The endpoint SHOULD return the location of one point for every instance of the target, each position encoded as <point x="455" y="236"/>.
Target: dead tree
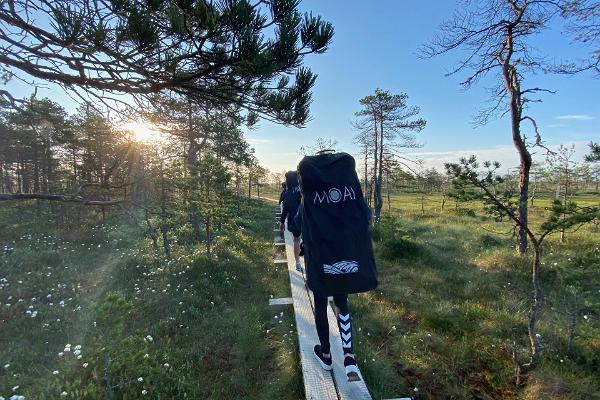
<point x="498" y="203"/>
<point x="495" y="35"/>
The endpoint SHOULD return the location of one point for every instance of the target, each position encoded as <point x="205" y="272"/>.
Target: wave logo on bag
<point x="335" y="195"/>
<point x="341" y="267"/>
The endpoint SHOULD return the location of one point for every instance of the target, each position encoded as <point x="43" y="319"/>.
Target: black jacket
<point x="291" y="201"/>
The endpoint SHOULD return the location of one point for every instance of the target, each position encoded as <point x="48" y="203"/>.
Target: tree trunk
<point x="375" y="159"/>
<point x="534" y="314"/>
<point x="165" y="236"/>
<point x="379" y="171"/>
<point x="523" y="201"/>
<point x="512" y="85"/>
<point x="249" y="186"/>
<point x="164" y="230"/>
<point x="153" y="235"/>
<point x="2" y="179"/>
<point x="36" y="169"/>
<point x="387" y="187"/>
<point x="443" y="201"/>
<point x="207" y="225"/>
<point x="524" y="158"/>
<point x="565" y="199"/>
<point x="367" y="168"/>
<point x="191" y="160"/>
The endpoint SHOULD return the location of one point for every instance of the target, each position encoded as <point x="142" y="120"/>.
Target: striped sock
<point x="345" y="325"/>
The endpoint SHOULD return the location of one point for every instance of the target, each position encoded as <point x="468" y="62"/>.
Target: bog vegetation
<point x="136" y="231"/>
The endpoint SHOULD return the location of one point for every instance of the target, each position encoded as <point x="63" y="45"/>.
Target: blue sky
<point x="375" y="46"/>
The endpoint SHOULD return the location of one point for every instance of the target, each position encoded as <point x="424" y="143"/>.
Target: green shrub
<point x="393" y="241"/>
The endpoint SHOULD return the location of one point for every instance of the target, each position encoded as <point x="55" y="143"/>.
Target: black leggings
<point x="344" y="322"/>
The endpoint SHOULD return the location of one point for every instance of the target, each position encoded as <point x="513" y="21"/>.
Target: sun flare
<point x="143" y="132"/>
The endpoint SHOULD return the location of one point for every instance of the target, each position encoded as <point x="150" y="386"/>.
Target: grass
<point x="190" y="327"/>
<point x="452" y="300"/>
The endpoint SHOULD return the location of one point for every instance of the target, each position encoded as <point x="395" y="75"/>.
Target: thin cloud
<point x="257" y="141"/>
<point x="505" y="154"/>
<point x="576" y="117"/>
<point x="556" y="126"/>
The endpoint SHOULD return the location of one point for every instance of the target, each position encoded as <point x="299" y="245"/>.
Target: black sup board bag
<point x="291" y="200"/>
<point x="338" y="252"/>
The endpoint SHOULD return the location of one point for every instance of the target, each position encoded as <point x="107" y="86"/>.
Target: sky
<point x="375" y="46"/>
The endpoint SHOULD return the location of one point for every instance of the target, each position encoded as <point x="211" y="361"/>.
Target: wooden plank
<point x="282" y="301"/>
<point x="280" y="262"/>
<point x="318" y="383"/>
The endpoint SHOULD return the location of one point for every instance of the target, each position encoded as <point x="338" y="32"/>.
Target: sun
<point x="143" y="132"/>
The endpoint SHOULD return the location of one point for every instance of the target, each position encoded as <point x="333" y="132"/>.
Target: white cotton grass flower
<point x="55" y="372"/>
<point x="140" y="379"/>
<point x="17" y="397"/>
<point x="85" y="365"/>
<point x="149" y="338"/>
<point x="6" y="366"/>
<point x="144" y="391"/>
<point x="15" y="388"/>
<point x="64" y="394"/>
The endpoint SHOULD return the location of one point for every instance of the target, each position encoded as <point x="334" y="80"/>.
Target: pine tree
<point x="217" y="53"/>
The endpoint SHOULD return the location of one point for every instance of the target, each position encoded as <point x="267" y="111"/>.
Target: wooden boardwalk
<point x="318" y="383"/>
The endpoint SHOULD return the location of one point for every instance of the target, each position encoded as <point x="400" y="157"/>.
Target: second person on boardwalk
<point x="291" y="201"/>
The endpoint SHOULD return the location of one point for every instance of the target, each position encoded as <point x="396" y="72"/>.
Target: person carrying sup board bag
<point x="291" y="201"/>
<point x="338" y="252"/>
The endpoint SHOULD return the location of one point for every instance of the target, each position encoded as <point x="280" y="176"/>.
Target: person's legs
<point x="322" y="351"/>
<point x="297" y="250"/>
<point x="321" y="322"/>
<point x="344" y="322"/>
<point x="345" y="326"/>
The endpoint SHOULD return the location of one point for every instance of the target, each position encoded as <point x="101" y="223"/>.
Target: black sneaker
<point x="351" y="369"/>
<point x="326" y="363"/>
